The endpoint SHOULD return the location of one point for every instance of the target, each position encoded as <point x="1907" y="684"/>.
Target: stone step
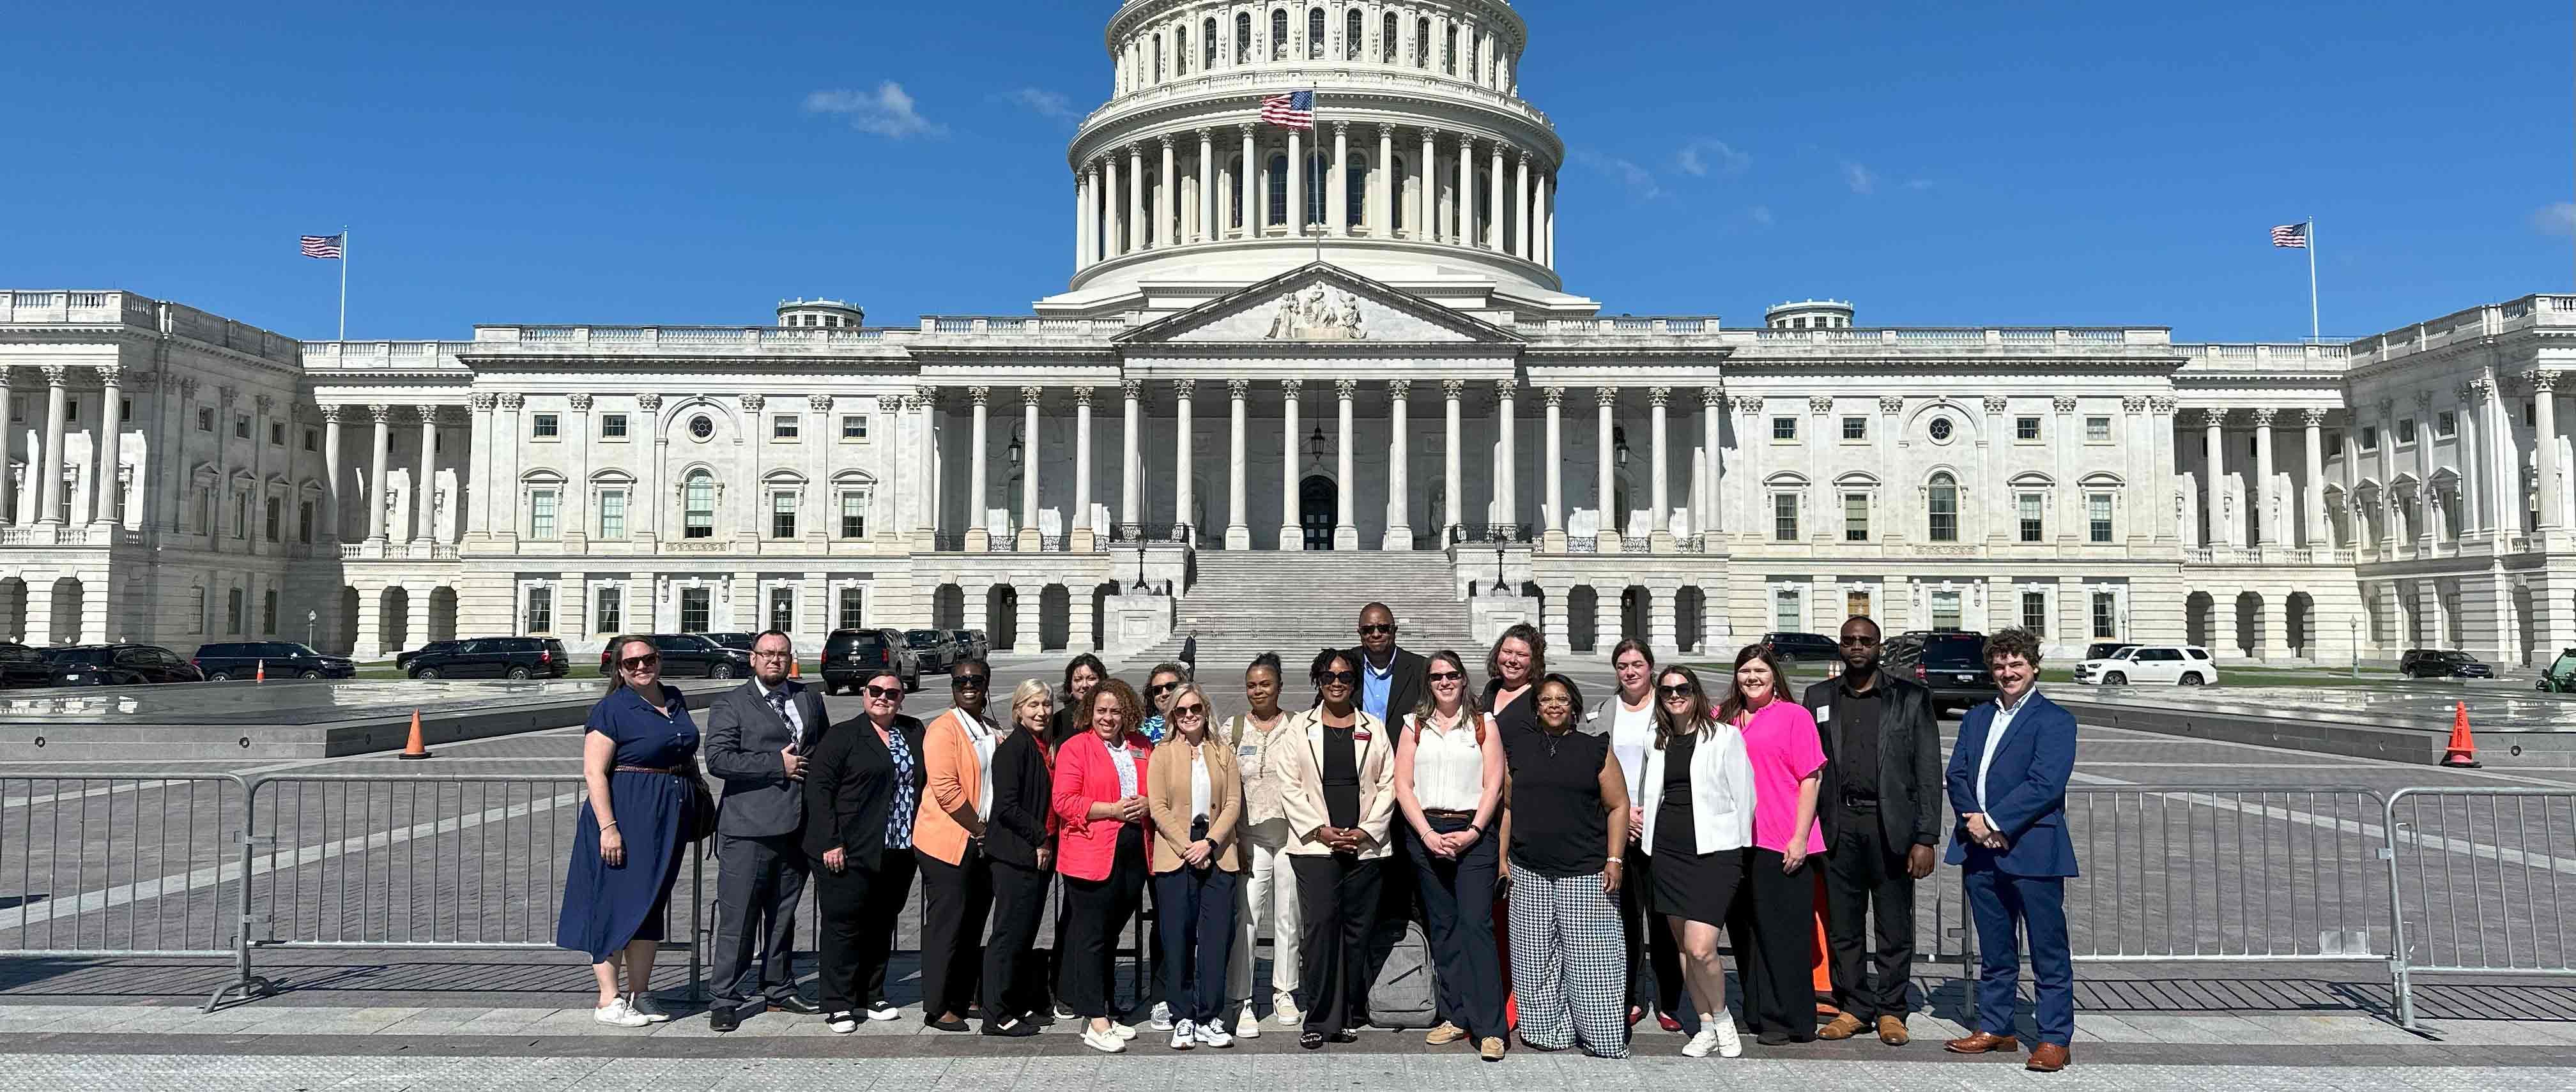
<point x="1296" y="603"/>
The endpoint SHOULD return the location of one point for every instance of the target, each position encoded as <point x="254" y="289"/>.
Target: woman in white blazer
<point x="1336" y="774"/>
<point x="1697" y="789"/>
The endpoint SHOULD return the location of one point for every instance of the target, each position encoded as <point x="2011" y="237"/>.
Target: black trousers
<point x="1019" y="901"/>
<point x="1654" y="956"/>
<point x="1095" y="912"/>
<point x="1458" y="912"/>
<point x="956" y="898"/>
<point x="1775" y="928"/>
<point x="759" y="881"/>
<point x="1337" y="894"/>
<point x="1196" y="927"/>
<point x="856" y="929"/>
<point x="1864" y="872"/>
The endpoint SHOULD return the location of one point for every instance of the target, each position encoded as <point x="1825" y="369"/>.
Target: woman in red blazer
<point x="1100" y="799"/>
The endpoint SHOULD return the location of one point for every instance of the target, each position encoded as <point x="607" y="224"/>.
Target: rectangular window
<point x="2406" y="431"/>
<point x="205" y="419"/>
<point x="545" y="426"/>
<point x="2026" y="428"/>
<point x="241" y="513"/>
<point x="854" y="613"/>
<point x="854" y="514"/>
<point x="698" y="507"/>
<point x="125" y="410"/>
<point x="610" y="615"/>
<point x="854" y="426"/>
<point x="241" y="426"/>
<point x="541" y="609"/>
<point x="2034" y="613"/>
<point x="1855" y="604"/>
<point x="272" y="519"/>
<point x="782" y="609"/>
<point x="1784" y="428"/>
<point x="268" y="612"/>
<point x="304" y="523"/>
<point x="233" y="611"/>
<point x="2106" y="622"/>
<point x="1855" y="428"/>
<point x="782" y="515"/>
<point x="18" y="409"/>
<point x="277" y="434"/>
<point x="696" y="606"/>
<point x="312" y="439"/>
<point x="71" y="410"/>
<point x="2097" y="430"/>
<point x="612" y="426"/>
<point x="1784" y="517"/>
<point x="1945" y="611"/>
<point x="2097" y="517"/>
<point x="2446" y="424"/>
<point x="2370" y="437"/>
<point x="1787" y="614"/>
<point x="2334" y="445"/>
<point x="612" y="513"/>
<point x="1855" y="517"/>
<point x="2034" y="525"/>
<point x="1941" y="518"/>
<point x="783" y="426"/>
<point x="541" y="514"/>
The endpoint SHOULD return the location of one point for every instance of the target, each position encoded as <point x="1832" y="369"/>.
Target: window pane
<point x="2025" y="428"/>
<point x="2097" y="429"/>
<point x="782" y="608"/>
<point x="1855" y="428"/>
<point x="1856" y="604"/>
<point x="2032" y="525"/>
<point x="612" y="610"/>
<point x="853" y="612"/>
<point x="700" y="503"/>
<point x="541" y="514"/>
<point x="854" y="426"/>
<point x="854" y="514"/>
<point x="2105" y="624"/>
<point x="612" y="514"/>
<point x="1945" y="610"/>
<point x="1784" y="517"/>
<point x="612" y="425"/>
<point x="2034" y="612"/>
<point x="1785" y="613"/>
<point x="782" y="515"/>
<point x="1784" y="428"/>
<point x="541" y="610"/>
<point x="695" y="607"/>
<point x="545" y="426"/>
<point x="2097" y="512"/>
<point x="1944" y="521"/>
<point x="783" y="427"/>
<point x="1855" y="517"/>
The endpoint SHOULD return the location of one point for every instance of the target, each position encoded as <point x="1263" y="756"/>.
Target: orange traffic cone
<point x="261" y="672"/>
<point x="2463" y="751"/>
<point x="414" y="748"/>
<point x="795" y="669"/>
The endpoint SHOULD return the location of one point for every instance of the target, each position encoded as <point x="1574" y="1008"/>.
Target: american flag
<point x="1294" y="110"/>
<point x="2291" y="235"/>
<point x="323" y="246"/>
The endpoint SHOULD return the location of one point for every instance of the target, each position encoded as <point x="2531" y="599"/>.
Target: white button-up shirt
<point x="982" y="737"/>
<point x="795" y="716"/>
<point x="2004" y="715"/>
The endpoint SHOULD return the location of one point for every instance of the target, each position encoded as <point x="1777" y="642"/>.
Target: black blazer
<point x="850" y="788"/>
<point x="1405" y="690"/>
<point x="1023" y="791"/>
<point x="1909" y="760"/>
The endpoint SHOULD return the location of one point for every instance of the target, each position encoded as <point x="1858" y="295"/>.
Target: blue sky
<point x="1941" y="164"/>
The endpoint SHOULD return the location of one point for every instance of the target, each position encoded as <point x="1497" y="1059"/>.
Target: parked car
<point x="487" y="658"/>
<point x="2427" y="663"/>
<point x="938" y="650"/>
<point x="2181" y="665"/>
<point x="1951" y="664"/>
<point x="223" y="660"/>
<point x="119" y="665"/>
<point x="2561" y="676"/>
<point x="1807" y="647"/>
<point x="972" y="644"/>
<point x="742" y="640"/>
<point x="688" y="654"/>
<point x="23" y="668"/>
<point x="850" y="655"/>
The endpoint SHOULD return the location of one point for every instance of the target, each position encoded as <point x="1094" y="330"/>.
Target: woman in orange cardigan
<point x="948" y="835"/>
<point x="1100" y="778"/>
<point x="1195" y="796"/>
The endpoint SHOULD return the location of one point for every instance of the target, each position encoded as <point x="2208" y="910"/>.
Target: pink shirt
<point x="1782" y="743"/>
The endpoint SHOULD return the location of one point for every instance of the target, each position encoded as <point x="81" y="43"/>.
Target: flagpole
<point x="1313" y="94"/>
<point x="2314" y="334"/>
<point x="344" y="282"/>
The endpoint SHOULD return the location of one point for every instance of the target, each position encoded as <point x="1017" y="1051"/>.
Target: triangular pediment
<point x="1319" y="304"/>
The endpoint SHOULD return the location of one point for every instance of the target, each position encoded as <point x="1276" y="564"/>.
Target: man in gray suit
<point x="757" y="735"/>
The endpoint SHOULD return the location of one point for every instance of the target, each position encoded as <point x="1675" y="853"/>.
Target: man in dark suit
<point x="2007" y="780"/>
<point x="1882" y="816"/>
<point x="1391" y="679"/>
<point x="755" y="744"/>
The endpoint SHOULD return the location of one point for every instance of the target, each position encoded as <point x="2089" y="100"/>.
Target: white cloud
<point x="1701" y="158"/>
<point x="2556" y="219"/>
<point x="1859" y="178"/>
<point x="1760" y="214"/>
<point x="1043" y="103"/>
<point x="1640" y="181"/>
<point x="886" y="111"/>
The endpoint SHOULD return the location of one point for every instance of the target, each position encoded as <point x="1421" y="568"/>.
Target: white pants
<point x="1270" y="896"/>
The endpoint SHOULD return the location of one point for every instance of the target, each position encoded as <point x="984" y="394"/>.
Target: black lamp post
<point x="1499" y="588"/>
<point x="1140" y="586"/>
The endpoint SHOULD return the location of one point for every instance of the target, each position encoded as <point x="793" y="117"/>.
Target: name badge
<point x="1360" y="736"/>
<point x="1824" y="713"/>
<point x="1246" y="751"/>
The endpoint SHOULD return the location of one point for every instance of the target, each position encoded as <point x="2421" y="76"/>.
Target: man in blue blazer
<point x="2007" y="782"/>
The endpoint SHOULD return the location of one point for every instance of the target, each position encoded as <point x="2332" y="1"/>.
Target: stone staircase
<point x="1296" y="604"/>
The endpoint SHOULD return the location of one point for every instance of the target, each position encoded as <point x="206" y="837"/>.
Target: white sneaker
<point x="883" y="1010"/>
<point x="1701" y="1044"/>
<point x="1212" y="1034"/>
<point x="1106" y="1042"/>
<point x="1730" y="1044"/>
<point x="1248" y="1025"/>
<point x="618" y="1014"/>
<point x="644" y="1006"/>
<point x="842" y="1022"/>
<point x="1283" y="1007"/>
<point x="1162" y="1020"/>
<point x="1124" y="1032"/>
<point x="1184" y="1035"/>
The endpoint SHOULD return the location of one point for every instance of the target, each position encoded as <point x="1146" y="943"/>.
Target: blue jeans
<point x="2037" y="904"/>
<point x="1196" y="924"/>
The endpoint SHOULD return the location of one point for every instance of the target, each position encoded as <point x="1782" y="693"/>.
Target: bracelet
<point x="612" y="824"/>
<point x="1613" y="860"/>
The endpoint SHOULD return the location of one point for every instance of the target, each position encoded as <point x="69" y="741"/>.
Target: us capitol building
<point x="1347" y="339"/>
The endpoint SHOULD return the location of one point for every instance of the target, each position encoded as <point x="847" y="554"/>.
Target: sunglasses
<point x="1372" y="629"/>
<point x="1192" y="711"/>
<point x="1447" y="676"/>
<point x="635" y="663"/>
<point x="889" y="693"/>
<point x="969" y="682"/>
<point x="1160" y="689"/>
<point x="1344" y="678"/>
<point x="1682" y="691"/>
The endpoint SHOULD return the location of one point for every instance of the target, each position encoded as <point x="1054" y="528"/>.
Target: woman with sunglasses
<point x="1449" y="786"/>
<point x="1100" y="779"/>
<point x="1654" y="972"/>
<point x="863" y="790"/>
<point x="1515" y="663"/>
<point x="1568" y="830"/>
<point x="1160" y="687"/>
<point x="638" y="747"/>
<point x="1195" y="796"/>
<point x="1697" y="805"/>
<point x="1775" y="922"/>
<point x="1268" y="893"/>
<point x="1337" y="786"/>
<point x="1020" y="839"/>
<point x="948" y="837"/>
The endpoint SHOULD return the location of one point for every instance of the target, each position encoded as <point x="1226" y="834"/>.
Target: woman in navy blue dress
<point x="641" y="743"/>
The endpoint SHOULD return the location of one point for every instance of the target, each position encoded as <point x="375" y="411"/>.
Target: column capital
<point x="2544" y="382"/>
<point x="1346" y="389"/>
<point x="1659" y="396"/>
<point x="1294" y="387"/>
<point x="2312" y="418"/>
<point x="1551" y="397"/>
<point x="1238" y="389"/>
<point x="1507" y="389"/>
<point x="2423" y="399"/>
<point x="2063" y="403"/>
<point x="1819" y="404"/>
<point x="1891" y="405"/>
<point x="1206" y="133"/>
<point x="1165" y="140"/>
<point x="2164" y="404"/>
<point x="649" y="403"/>
<point x="979" y="395"/>
<point x="331" y="410"/>
<point x="58" y="374"/>
<point x="1132" y="389"/>
<point x="1399" y="389"/>
<point x="1996" y="403"/>
<point x="1082" y="396"/>
<point x="2481" y="387"/>
<point x="110" y="374"/>
<point x="1520" y="156"/>
<point x="1341" y="129"/>
<point x="752" y="403"/>
<point x="1249" y="130"/>
<point x="2213" y="418"/>
<point x="1453" y="389"/>
<point x="267" y="404"/>
<point x="1606" y="396"/>
<point x="581" y="402"/>
<point x="1748" y="403"/>
<point x="1712" y="398"/>
<point x="1028" y="395"/>
<point x="384" y="414"/>
<point x="1184" y="388"/>
<point x="2263" y="416"/>
<point x="1136" y="150"/>
<point x="187" y="387"/>
<point x="819" y="403"/>
<point x="890" y="403"/>
<point x="2135" y="403"/>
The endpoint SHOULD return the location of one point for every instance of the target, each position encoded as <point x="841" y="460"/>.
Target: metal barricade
<point x="127" y="864"/>
<point x="2479" y="882"/>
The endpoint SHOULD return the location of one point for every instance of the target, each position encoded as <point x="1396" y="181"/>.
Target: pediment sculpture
<point x="1318" y="314"/>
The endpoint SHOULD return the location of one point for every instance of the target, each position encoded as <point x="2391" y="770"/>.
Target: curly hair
<point x="1131" y="709"/>
<point x="2014" y="642"/>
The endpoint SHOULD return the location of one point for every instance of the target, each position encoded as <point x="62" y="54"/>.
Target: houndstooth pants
<point x="1569" y="963"/>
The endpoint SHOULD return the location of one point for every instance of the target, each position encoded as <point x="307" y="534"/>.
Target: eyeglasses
<point x="637" y="663"/>
<point x="1447" y="676"/>
<point x="1192" y="711"/>
<point x="762" y="655"/>
<point x="1160" y="689"/>
<point x="1682" y="691"/>
<point x="969" y="682"/>
<point x="889" y="693"/>
<point x="1372" y="629"/>
<point x="1343" y="678"/>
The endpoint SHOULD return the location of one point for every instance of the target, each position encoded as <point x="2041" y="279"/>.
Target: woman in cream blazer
<point x="1336" y="770"/>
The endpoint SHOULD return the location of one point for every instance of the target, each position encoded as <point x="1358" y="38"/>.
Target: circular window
<point x="1940" y="430"/>
<point x="701" y="426"/>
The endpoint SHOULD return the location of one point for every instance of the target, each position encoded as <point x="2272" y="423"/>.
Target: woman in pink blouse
<point x="1775" y="919"/>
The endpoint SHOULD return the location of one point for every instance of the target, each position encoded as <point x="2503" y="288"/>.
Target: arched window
<point x="1422" y="43"/>
<point x="1181" y="51"/>
<point x="1475" y="43"/>
<point x="1395" y="181"/>
<point x="1942" y="511"/>
<point x="1316" y="177"/>
<point x="1314" y="34"/>
<point x="1353" y="35"/>
<point x="698" y="505"/>
<point x="1243" y="38"/>
<point x="1386" y="41"/>
<point x="1355" y="191"/>
<point x="1237" y="188"/>
<point x="1484" y="209"/>
<point x="1207" y="44"/>
<point x="1279" y="34"/>
<point x="1278" y="196"/>
<point x="1158" y="58"/>
<point x="1449" y="52"/>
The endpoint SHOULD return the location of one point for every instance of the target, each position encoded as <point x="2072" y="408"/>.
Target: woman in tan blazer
<point x="1337" y="785"/>
<point x="1194" y="793"/>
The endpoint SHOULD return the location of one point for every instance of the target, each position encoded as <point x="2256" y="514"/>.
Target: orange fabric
<point x="948" y="760"/>
<point x="1821" y="971"/>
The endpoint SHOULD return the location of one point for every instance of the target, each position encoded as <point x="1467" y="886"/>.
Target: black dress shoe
<point x="1345" y="1035"/>
<point x="795" y="1004"/>
<point x="1014" y="1028"/>
<point x="936" y="1024"/>
<point x="723" y="1018"/>
<point x="1312" y="1040"/>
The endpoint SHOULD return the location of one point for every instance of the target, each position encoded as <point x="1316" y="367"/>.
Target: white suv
<point x="2183" y="665"/>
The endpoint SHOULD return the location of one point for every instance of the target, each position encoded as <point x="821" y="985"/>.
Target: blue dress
<point x="605" y="907"/>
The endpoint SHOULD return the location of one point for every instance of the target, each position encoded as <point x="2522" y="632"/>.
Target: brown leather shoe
<point x="2048" y="1058"/>
<point x="1491" y="1049"/>
<point x="1983" y="1042"/>
<point x="1444" y="1035"/>
<point x="1844" y="1026"/>
<point x="1891" y="1031"/>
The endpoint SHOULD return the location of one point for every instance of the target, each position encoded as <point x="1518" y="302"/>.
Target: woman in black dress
<point x="1698" y="810"/>
<point x="862" y="791"/>
<point x="639" y="750"/>
<point x="1517" y="662"/>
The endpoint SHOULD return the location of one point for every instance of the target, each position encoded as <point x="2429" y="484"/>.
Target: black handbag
<point x="701" y="819"/>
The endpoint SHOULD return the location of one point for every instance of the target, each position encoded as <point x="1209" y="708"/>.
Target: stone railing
<point x="1023" y="326"/>
<point x="1262" y="78"/>
<point x="667" y="338"/>
<point x="2487" y="320"/>
<point x="128" y="309"/>
<point x="1622" y="326"/>
<point x="2266" y="357"/>
<point x="1998" y="336"/>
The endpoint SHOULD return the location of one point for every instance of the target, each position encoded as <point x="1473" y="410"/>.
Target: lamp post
<point x="1499" y="588"/>
<point x="2353" y="627"/>
<point x="310" y="619"/>
<point x="1140" y="587"/>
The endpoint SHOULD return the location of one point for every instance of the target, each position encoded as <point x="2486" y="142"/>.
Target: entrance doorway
<point x="1318" y="511"/>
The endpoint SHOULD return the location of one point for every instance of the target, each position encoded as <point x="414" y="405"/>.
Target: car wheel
<point x="424" y="673"/>
<point x="219" y="676"/>
<point x="2116" y="678"/>
<point x="518" y="674"/>
<point x="309" y="675"/>
<point x="720" y="671"/>
<point x="2192" y="679"/>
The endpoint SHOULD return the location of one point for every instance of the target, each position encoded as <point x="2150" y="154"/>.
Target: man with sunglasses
<point x="1391" y="678"/>
<point x="1881" y="812"/>
<point x="757" y="735"/>
<point x="948" y="835"/>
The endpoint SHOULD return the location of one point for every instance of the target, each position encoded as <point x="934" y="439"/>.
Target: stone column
<point x="898" y="500"/>
<point x="425" y="490"/>
<point x="1492" y="236"/>
<point x="1337" y="198"/>
<point x="2312" y="499"/>
<point x="1507" y="476"/>
<point x="979" y="536"/>
<point x="1296" y="183"/>
<point x="1466" y="198"/>
<point x="1524" y="218"/>
<point x="8" y="498"/>
<point x="1550" y="235"/>
<point x="1184" y="508"/>
<point x="1552" y="540"/>
<point x="2267" y="512"/>
<point x="1605" y="476"/>
<point x="2428" y="504"/>
<point x="377" y="467"/>
<point x="1247" y="188"/>
<point x="1382" y="207"/>
<point x="2544" y="419"/>
<point x="1291" y="535"/>
<point x="1207" y="186"/>
<point x="1027" y="540"/>
<point x="2214" y="472"/>
<point x="1113" y="220"/>
<point x="106" y="492"/>
<point x="1399" y="486"/>
<point x="1238" y="531"/>
<point x="1429" y="169"/>
<point x="1346" y="533"/>
<point x="1139" y="225"/>
<point x="331" y="472"/>
<point x="1081" y="219"/>
<point x="1659" y="529"/>
<point x="1453" y="482"/>
<point x="1709" y="517"/>
<point x="49" y="463"/>
<point x="1546" y="229"/>
<point x="1131" y="515"/>
<point x="1167" y="199"/>
<point x="1082" y="536"/>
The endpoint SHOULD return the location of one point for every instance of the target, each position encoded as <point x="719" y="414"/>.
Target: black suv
<point x="285" y="659"/>
<point x="972" y="644"/>
<point x="22" y="667"/>
<point x="1807" y="647"/>
<point x="1952" y="664"/>
<point x="938" y="650"/>
<point x="487" y="658"/>
<point x="119" y="665"/>
<point x="850" y="655"/>
<point x="2426" y="663"/>
<point x="743" y="640"/>
<point x="686" y="654"/>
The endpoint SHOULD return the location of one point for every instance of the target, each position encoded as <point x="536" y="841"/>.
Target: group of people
<point x="1621" y="850"/>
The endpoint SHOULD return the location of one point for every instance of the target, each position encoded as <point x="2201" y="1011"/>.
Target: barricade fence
<point x="2479" y="881"/>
